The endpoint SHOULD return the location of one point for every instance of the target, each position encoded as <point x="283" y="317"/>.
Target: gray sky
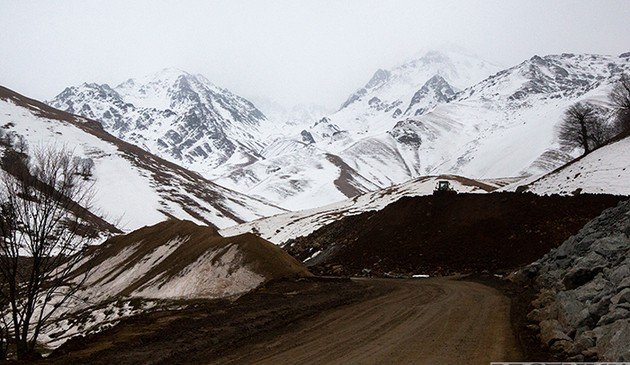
<point x="290" y="51"/>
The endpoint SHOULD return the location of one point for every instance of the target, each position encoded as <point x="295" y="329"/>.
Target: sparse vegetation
<point x="44" y="204"/>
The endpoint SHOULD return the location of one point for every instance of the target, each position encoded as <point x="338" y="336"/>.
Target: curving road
<point x="425" y="321"/>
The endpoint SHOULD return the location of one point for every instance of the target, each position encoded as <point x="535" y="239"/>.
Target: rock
<point x="577" y="358"/>
<point x="590" y="354"/>
<point x="593" y="290"/>
<point x="609" y="247"/>
<point x="580" y="276"/>
<point x="562" y="346"/>
<point x="572" y="313"/>
<point x="583" y="341"/>
<point x="583" y="305"/>
<point x="622" y="297"/>
<point x="598" y="309"/>
<point x="621" y="275"/>
<point x="612" y="341"/>
<point x="615" y="314"/>
<point x="551" y="331"/>
<point x="545" y="297"/>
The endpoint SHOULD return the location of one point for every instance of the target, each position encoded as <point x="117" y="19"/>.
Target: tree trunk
<point x="584" y="133"/>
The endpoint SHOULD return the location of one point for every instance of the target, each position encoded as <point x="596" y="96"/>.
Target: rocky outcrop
<point x="178" y="116"/>
<point x="583" y="307"/>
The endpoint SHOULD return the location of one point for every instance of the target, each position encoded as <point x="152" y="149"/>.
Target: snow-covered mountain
<point x="178" y="116"/>
<point x="506" y="124"/>
<point x="133" y="188"/>
<point x="410" y="89"/>
<point x="441" y="113"/>
<point x="502" y="124"/>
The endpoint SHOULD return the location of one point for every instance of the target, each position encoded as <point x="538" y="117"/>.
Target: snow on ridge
<point x="282" y="227"/>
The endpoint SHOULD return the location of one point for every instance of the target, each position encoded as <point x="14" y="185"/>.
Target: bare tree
<point x="583" y="127"/>
<point x="620" y="100"/>
<point x="85" y="166"/>
<point x="44" y="206"/>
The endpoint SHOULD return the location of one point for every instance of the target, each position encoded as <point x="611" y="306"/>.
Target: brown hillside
<point x="147" y="245"/>
<point x="445" y="234"/>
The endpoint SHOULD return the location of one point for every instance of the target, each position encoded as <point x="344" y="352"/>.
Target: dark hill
<point x="465" y="233"/>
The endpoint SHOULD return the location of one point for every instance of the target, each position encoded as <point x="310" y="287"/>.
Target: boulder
<point x="572" y="313"/>
<point x="621" y="276"/>
<point x="622" y="297"/>
<point x="615" y="314"/>
<point x="551" y="331"/>
<point x="612" y="341"/>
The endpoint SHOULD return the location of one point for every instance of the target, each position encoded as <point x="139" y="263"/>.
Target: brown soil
<point x="439" y="235"/>
<point x="521" y="296"/>
<point x="434" y="321"/>
<point x="206" y="330"/>
<point x="369" y="321"/>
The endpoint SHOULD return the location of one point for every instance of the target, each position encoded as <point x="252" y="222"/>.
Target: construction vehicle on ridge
<point x="444" y="188"/>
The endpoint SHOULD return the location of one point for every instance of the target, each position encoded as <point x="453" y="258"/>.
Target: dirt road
<point x="424" y="321"/>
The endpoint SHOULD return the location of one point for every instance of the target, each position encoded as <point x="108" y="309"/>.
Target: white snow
<point x="213" y="275"/>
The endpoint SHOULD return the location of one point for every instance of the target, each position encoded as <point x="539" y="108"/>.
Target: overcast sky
<point x="289" y="51"/>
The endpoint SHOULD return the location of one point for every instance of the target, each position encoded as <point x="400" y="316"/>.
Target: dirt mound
<point x="161" y="266"/>
<point x="445" y="234"/>
<point x="176" y="259"/>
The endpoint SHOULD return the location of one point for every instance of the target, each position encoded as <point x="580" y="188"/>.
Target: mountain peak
<point x="380" y="77"/>
<point x="165" y="76"/>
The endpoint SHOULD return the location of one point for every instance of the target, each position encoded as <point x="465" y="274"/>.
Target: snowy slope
<point x="178" y="116"/>
<point x="506" y="125"/>
<point x="282" y="227"/>
<point x="133" y="187"/>
<point x="297" y="176"/>
<point x="179" y="259"/>
<point x="605" y="170"/>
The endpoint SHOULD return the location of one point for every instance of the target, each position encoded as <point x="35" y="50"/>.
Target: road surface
<point x="423" y="321"/>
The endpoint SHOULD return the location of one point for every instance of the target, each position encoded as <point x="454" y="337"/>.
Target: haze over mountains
<point x="445" y="112"/>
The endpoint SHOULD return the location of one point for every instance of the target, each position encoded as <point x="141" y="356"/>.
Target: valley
<point x="439" y="215"/>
